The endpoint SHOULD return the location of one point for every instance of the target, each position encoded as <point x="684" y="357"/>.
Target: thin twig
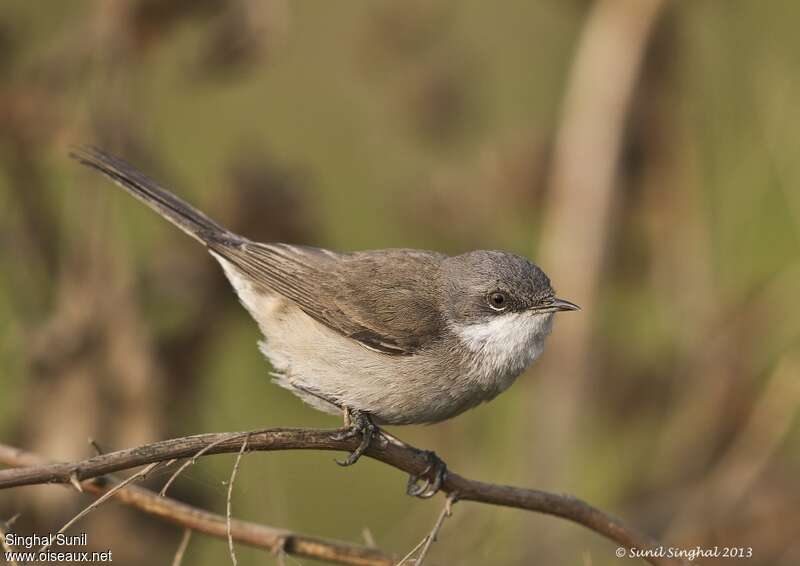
<point x="447" y="510"/>
<point x="185" y="465"/>
<point x="187" y="534"/>
<point x="7" y="548"/>
<point x="412" y="552"/>
<point x="10" y="523"/>
<point x="391" y="451"/>
<point x="103" y="498"/>
<point x="234" y="471"/>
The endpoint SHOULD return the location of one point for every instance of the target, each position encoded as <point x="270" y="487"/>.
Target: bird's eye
<point x="498" y="301"/>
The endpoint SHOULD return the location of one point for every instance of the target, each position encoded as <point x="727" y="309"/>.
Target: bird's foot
<point x="360" y="424"/>
<point x="427" y="483"/>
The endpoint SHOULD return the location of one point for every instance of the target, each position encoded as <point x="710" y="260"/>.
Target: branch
<point x="228" y="502"/>
<point x="437" y="526"/>
<point x="193" y="519"/>
<point x="384" y="448"/>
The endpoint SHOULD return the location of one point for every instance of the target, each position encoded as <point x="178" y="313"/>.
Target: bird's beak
<point x="555" y="305"/>
<point x="564" y="305"/>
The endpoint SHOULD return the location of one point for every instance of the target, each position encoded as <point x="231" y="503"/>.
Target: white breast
<point x="503" y="347"/>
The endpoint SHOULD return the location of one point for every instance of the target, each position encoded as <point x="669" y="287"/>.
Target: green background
<point x="358" y="125"/>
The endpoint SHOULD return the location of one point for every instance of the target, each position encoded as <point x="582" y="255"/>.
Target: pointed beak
<point x="555" y="305"/>
<point x="564" y="305"/>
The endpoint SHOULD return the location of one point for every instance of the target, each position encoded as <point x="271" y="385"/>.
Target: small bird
<point x="394" y="336"/>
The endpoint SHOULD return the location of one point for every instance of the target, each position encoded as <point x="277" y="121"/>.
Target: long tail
<point x="182" y="214"/>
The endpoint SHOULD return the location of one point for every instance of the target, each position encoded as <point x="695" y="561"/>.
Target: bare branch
<point x="192" y="518"/>
<point x="385" y="448"/>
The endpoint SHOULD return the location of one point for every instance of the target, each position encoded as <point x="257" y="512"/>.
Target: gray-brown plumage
<point x="403" y="336"/>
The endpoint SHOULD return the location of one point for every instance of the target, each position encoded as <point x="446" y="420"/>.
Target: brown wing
<point x="383" y="299"/>
<point x="386" y="299"/>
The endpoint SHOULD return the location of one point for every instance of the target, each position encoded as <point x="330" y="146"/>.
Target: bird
<point x="382" y="337"/>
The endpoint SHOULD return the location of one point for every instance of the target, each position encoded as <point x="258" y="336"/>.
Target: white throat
<point x="503" y="347"/>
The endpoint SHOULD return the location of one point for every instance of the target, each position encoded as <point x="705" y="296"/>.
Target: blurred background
<point x="644" y="153"/>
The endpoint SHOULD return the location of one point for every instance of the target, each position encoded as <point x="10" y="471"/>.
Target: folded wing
<point x="372" y="297"/>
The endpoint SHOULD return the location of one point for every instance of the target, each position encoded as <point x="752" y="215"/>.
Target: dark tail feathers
<point x="182" y="214"/>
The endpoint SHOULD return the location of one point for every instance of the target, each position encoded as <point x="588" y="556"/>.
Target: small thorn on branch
<point x="73" y="480"/>
<point x="369" y="539"/>
<point x="93" y="443"/>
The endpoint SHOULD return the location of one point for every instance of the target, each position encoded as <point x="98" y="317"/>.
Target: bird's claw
<point x="360" y="424"/>
<point x="426" y="484"/>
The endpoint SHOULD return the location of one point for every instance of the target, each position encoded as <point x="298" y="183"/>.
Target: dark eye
<point x="498" y="300"/>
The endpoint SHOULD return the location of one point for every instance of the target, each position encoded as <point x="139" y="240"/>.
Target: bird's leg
<point x="427" y="483"/>
<point x="356" y="423"/>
